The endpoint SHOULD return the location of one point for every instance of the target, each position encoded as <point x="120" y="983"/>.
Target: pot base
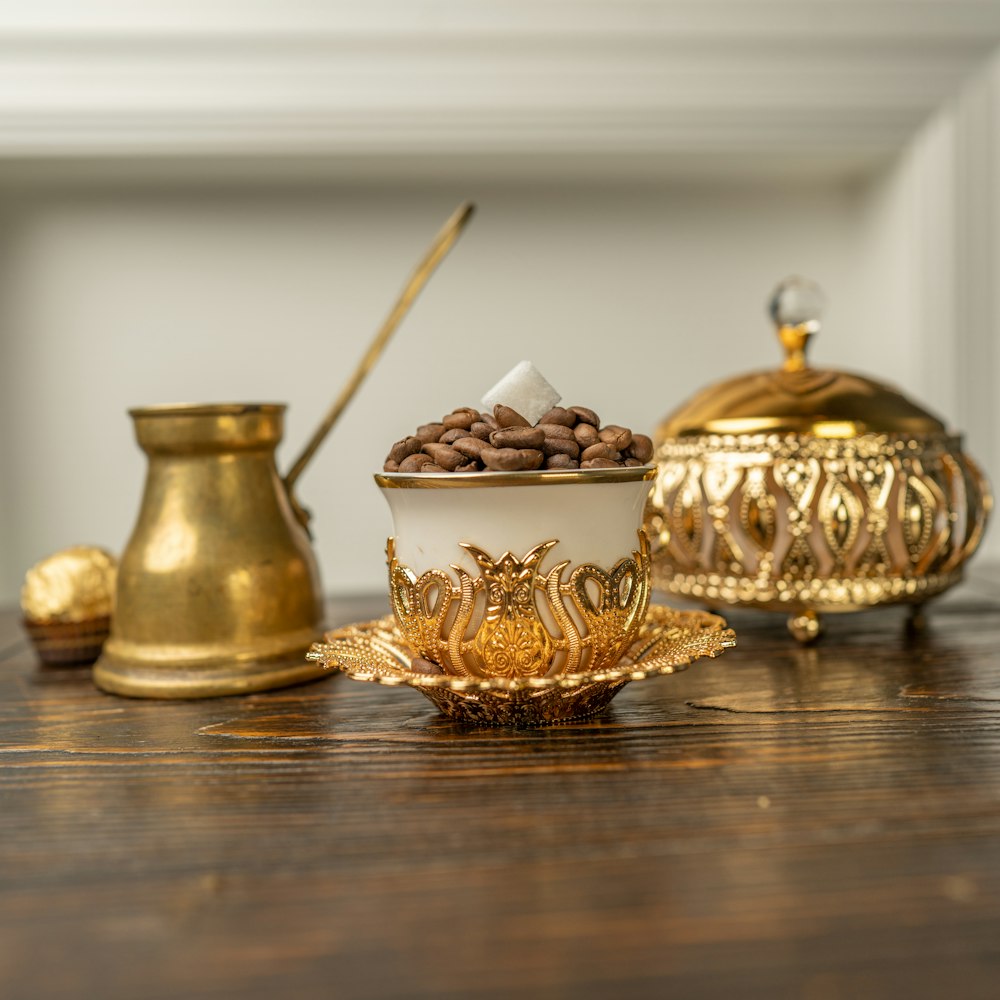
<point x="211" y="680"/>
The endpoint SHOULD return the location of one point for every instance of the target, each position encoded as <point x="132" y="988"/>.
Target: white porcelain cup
<point x="521" y="574"/>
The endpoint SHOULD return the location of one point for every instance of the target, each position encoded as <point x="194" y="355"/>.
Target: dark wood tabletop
<point x="784" y="822"/>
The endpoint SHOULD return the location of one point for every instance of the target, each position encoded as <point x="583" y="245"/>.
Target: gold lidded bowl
<point x="809" y="490"/>
<point x="520" y="598"/>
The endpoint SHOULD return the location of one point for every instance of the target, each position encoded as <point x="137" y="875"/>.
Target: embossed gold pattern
<point x="801" y="523"/>
<point x="666" y="642"/>
<point x="513" y="621"/>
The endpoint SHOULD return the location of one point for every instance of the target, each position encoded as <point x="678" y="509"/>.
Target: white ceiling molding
<point x="741" y="20"/>
<point x="814" y="81"/>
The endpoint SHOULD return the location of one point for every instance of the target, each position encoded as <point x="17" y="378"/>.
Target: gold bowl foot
<point x="806" y="627"/>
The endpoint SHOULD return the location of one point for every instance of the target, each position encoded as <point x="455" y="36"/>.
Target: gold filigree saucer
<point x="668" y="641"/>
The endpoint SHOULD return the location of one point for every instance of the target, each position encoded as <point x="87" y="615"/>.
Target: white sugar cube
<point x="524" y="389"/>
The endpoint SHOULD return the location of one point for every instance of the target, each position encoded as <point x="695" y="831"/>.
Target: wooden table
<point x="781" y="822"/>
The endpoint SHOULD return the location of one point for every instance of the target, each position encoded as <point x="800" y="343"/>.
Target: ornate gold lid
<point x="796" y="398"/>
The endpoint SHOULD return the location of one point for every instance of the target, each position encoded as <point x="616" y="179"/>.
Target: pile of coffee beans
<point x="504" y="441"/>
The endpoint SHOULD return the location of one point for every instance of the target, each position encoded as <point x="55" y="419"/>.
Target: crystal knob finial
<point x="796" y="308"/>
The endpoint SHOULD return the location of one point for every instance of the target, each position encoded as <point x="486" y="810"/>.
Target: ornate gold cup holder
<point x="512" y="630"/>
<point x="667" y="642"/>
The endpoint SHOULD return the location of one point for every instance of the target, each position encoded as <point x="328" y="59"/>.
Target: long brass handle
<point x="443" y="242"/>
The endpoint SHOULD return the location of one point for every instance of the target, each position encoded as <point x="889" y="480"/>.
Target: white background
<point x="220" y="204"/>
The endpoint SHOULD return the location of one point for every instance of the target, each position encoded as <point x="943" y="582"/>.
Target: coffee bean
<point x="506" y="417"/>
<point x="466" y="440"/>
<point x="462" y="418"/>
<point x="517" y="437"/>
<point x="512" y="459"/>
<point x="445" y="456"/>
<point x="641" y="448"/>
<point x="586" y="415"/>
<point x="429" y="432"/>
<point x="408" y="446"/>
<point x="599" y="450"/>
<point x="618" y="437"/>
<point x="559" y="415"/>
<point x="561" y="446"/>
<point x="471" y="447"/>
<point x="415" y="463"/>
<point x="557" y="430"/>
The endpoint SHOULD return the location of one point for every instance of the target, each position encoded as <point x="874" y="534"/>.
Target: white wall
<point x="932" y="245"/>
<point x="628" y="300"/>
<point x="631" y="287"/>
<point x="977" y="266"/>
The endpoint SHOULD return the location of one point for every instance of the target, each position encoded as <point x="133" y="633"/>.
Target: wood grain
<point x="780" y="822"/>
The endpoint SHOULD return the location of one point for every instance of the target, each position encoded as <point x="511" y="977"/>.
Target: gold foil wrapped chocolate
<point x="70" y="586"/>
<point x="810" y="491"/>
<point x="67" y="600"/>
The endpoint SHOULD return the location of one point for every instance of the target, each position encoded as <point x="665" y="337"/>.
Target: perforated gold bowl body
<point x="810" y="525"/>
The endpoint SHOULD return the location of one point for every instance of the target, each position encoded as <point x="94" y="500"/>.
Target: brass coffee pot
<point x="218" y="589"/>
